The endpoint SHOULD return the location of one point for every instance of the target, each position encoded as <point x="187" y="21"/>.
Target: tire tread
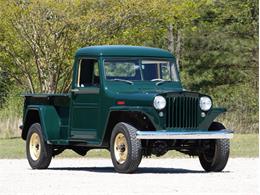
<point x="46" y="154"/>
<point x="135" y="154"/>
<point x="221" y="152"/>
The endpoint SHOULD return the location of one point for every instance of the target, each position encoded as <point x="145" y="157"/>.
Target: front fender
<point x="150" y="112"/>
<point x="210" y="117"/>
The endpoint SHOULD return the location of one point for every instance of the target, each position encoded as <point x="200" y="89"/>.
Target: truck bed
<point x="60" y="102"/>
<point x="47" y="99"/>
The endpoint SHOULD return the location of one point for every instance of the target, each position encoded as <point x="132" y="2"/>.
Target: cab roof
<point x="123" y="51"/>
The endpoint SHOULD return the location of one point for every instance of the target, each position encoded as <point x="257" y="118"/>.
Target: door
<point x="85" y="101"/>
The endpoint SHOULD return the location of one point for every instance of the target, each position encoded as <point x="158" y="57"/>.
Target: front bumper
<point x="221" y="134"/>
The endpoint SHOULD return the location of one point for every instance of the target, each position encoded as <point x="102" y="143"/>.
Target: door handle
<point x="74" y="90"/>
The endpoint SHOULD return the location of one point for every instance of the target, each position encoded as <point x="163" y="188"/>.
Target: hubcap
<point x="35" y="146"/>
<point x="120" y="148"/>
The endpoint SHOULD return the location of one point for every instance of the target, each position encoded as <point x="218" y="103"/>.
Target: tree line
<point x="215" y="43"/>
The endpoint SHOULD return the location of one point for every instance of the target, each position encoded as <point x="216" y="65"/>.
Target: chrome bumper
<point x="221" y="134"/>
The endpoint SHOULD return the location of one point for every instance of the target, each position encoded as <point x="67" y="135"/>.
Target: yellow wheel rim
<point x="35" y="146"/>
<point x="120" y="148"/>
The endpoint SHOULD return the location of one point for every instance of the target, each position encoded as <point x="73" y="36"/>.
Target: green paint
<point x="83" y="115"/>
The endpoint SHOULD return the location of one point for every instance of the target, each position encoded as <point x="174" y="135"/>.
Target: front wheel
<point x="125" y="149"/>
<point x="216" y="152"/>
<point x="39" y="153"/>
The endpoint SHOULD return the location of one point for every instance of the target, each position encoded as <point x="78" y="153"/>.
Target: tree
<point x="39" y="38"/>
<point x="4" y="80"/>
<point x="221" y="58"/>
<point x="214" y="41"/>
<point x="37" y="44"/>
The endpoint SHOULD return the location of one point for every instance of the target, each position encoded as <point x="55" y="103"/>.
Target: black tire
<point x="39" y="153"/>
<point x="215" y="157"/>
<point x="130" y="148"/>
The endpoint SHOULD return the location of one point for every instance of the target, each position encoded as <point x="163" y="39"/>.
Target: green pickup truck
<point x="130" y="101"/>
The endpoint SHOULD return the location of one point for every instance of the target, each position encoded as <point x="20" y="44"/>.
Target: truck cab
<point x="130" y="101"/>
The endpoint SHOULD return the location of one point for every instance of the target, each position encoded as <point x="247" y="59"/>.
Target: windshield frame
<point x="172" y="62"/>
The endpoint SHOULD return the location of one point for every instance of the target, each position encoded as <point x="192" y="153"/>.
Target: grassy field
<point x="242" y="145"/>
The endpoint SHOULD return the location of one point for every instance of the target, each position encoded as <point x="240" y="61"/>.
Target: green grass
<point x="245" y="145"/>
<point x="242" y="145"/>
<point x="15" y="148"/>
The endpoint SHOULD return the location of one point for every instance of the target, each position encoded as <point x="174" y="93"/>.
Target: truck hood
<point x="139" y="94"/>
<point x="140" y="98"/>
<point x="142" y="87"/>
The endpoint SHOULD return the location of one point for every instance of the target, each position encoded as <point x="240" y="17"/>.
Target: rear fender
<point x="47" y="117"/>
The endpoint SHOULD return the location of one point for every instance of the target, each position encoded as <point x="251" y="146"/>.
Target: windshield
<point x="136" y="70"/>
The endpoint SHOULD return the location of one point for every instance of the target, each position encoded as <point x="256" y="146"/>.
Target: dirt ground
<point x="154" y="176"/>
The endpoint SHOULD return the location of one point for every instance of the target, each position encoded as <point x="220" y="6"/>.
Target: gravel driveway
<point x="155" y="176"/>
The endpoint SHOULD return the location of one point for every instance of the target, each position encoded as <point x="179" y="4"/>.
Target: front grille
<point x="182" y="112"/>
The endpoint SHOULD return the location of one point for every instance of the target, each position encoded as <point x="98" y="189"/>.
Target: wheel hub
<point x="120" y="148"/>
<point x="35" y="146"/>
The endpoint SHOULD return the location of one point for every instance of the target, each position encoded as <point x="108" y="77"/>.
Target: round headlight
<point x="205" y="103"/>
<point x="159" y="102"/>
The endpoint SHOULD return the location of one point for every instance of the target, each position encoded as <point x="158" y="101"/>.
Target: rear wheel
<point x="39" y="153"/>
<point x="125" y="149"/>
<point x="215" y="156"/>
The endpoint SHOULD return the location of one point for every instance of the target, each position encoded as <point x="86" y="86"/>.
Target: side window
<point x="88" y="74"/>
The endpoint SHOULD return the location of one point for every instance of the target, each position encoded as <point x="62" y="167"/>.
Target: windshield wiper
<point x="161" y="82"/>
<point x="154" y="80"/>
<point x="123" y="80"/>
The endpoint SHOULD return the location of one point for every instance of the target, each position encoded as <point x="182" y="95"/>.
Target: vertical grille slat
<point x="192" y="117"/>
<point x="196" y="114"/>
<point x="186" y="111"/>
<point x="171" y="114"/>
<point x="168" y="111"/>
<point x="181" y="112"/>
<point x="193" y="113"/>
<point x="189" y="111"/>
<point x="175" y="113"/>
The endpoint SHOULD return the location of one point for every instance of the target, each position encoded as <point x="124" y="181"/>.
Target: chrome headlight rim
<point x="205" y="103"/>
<point x="159" y="102"/>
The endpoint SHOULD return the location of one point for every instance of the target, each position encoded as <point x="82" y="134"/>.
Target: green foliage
<point x="3" y="87"/>
<point x="215" y="44"/>
<point x="220" y="57"/>
<point x="10" y="113"/>
<point x="36" y="42"/>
